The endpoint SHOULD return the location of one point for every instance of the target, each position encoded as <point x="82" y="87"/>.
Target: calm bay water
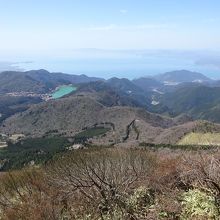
<point x="128" y="66"/>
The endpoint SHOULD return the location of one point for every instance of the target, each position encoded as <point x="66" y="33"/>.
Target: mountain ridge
<point x="38" y="81"/>
<point x="181" y="76"/>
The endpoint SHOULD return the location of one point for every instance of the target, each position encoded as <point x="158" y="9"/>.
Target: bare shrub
<point x="168" y="185"/>
<point x="111" y="183"/>
<point x="25" y="194"/>
<point x="102" y="179"/>
<point x="203" y="170"/>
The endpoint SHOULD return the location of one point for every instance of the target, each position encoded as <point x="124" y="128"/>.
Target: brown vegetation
<point x="58" y="117"/>
<point x="111" y="184"/>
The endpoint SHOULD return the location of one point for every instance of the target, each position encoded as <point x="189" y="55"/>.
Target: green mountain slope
<point x="147" y="84"/>
<point x="200" y="102"/>
<point x="10" y="105"/>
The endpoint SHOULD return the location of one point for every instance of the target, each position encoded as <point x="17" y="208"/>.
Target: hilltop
<point x="181" y="76"/>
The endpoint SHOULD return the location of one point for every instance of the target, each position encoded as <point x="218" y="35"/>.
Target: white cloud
<point x="123" y="11"/>
<point x="153" y="26"/>
<point x="101" y="28"/>
<point x="210" y="20"/>
<point x="129" y="27"/>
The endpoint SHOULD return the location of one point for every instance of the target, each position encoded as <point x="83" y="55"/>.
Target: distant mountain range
<point x="42" y="81"/>
<point x="181" y="76"/>
<point x="178" y="97"/>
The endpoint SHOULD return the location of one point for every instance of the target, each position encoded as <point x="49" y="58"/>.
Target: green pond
<point x="62" y="91"/>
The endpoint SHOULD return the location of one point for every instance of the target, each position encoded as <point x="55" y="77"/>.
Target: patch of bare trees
<point x="104" y="178"/>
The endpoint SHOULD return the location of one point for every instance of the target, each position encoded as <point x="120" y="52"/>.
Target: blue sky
<point x="154" y="24"/>
<point x="34" y="29"/>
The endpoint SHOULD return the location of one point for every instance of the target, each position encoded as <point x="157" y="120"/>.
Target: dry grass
<point x="201" y="139"/>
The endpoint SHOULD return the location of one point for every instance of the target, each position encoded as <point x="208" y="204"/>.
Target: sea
<point x="130" y="66"/>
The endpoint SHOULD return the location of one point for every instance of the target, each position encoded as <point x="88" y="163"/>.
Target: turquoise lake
<point x="62" y="91"/>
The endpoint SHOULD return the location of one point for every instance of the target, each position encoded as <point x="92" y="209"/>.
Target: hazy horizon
<point x="115" y="38"/>
<point x="122" y="63"/>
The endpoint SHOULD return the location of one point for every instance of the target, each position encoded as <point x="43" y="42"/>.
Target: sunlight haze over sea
<point x="124" y="63"/>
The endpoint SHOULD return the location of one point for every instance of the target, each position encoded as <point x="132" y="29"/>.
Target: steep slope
<point x="10" y="105"/>
<point x="37" y="81"/>
<point x="116" y="92"/>
<point x="106" y="95"/>
<point x="200" y="102"/>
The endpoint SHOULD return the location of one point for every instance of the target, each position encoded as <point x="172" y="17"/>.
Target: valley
<point x="144" y="135"/>
<point x="58" y="92"/>
<point x="89" y="101"/>
<point x="110" y="110"/>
